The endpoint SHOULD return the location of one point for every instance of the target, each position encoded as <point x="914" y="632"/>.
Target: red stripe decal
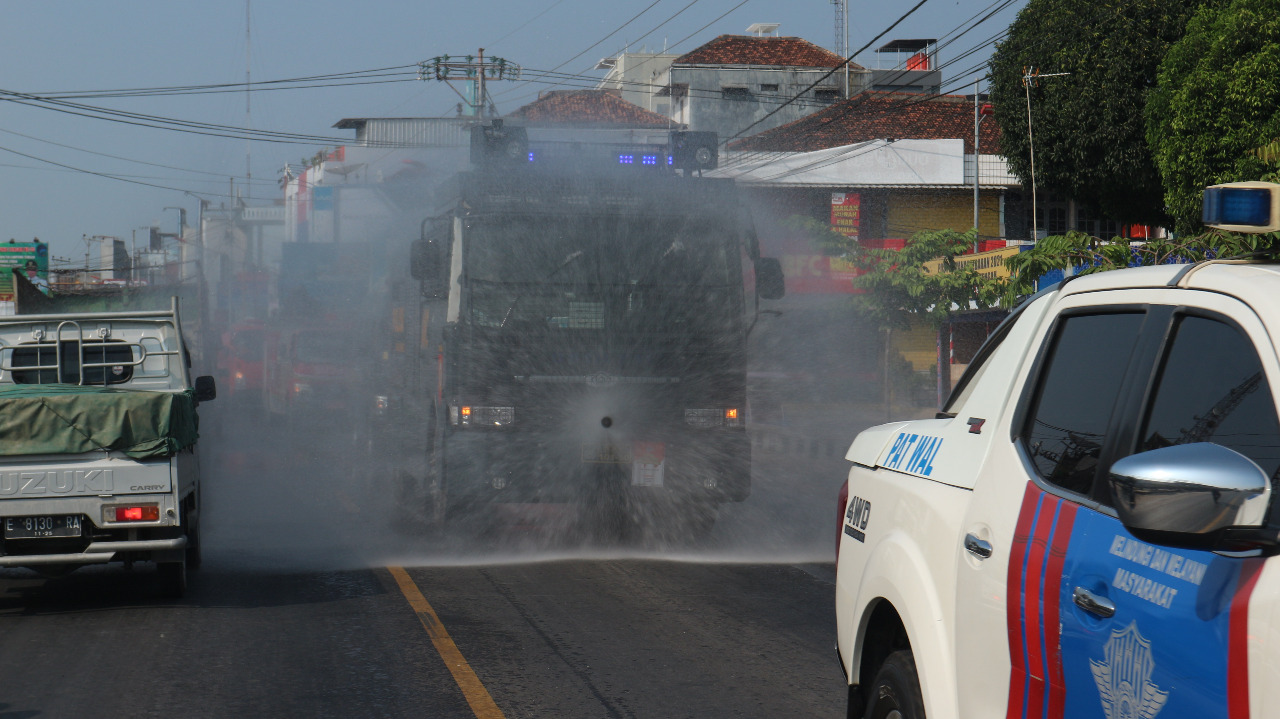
<point x="1053" y="593"/>
<point x="1032" y="607"/>
<point x="1013" y="601"/>
<point x="1238" y="642"/>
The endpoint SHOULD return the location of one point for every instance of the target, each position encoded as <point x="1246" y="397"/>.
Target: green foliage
<point x="898" y="287"/>
<point x="1089" y="132"/>
<point x="1216" y="108"/>
<point x="1076" y="249"/>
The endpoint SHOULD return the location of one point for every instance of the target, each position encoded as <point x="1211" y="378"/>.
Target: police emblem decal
<point x="1124" y="678"/>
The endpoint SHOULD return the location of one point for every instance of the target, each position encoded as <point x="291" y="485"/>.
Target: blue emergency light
<point x="1251" y="207"/>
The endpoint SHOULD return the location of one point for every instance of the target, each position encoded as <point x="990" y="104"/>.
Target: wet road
<point x="301" y="609"/>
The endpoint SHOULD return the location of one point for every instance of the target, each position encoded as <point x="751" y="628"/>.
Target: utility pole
<point x="979" y="114"/>
<point x="475" y="69"/>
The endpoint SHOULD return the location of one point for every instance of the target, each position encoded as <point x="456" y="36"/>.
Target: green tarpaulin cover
<point x="69" y="419"/>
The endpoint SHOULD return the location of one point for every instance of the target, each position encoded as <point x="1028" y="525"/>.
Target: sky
<point x="67" y="173"/>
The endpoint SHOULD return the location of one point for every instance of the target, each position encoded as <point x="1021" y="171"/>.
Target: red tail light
<point x="843" y="500"/>
<point x="144" y="513"/>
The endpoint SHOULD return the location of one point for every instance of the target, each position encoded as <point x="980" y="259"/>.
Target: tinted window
<point x="1212" y="389"/>
<point x="1078" y="389"/>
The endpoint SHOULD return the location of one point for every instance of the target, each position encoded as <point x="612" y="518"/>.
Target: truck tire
<point x="895" y="693"/>
<point x="193" y="557"/>
<point x="173" y="578"/>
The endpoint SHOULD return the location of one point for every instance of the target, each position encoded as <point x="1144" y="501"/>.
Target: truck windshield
<point x="663" y="274"/>
<point x="323" y="348"/>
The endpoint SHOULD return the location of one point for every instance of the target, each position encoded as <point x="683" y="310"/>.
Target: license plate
<point x="606" y="454"/>
<point x="649" y="465"/>
<point x="48" y="526"/>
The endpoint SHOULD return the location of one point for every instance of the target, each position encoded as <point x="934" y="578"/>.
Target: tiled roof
<point x="587" y="107"/>
<point x="752" y="50"/>
<point x="879" y="116"/>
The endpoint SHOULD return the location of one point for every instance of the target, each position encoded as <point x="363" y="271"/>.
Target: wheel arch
<point x="902" y="603"/>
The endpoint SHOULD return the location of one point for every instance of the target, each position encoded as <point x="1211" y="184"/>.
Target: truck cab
<point x="1088" y="528"/>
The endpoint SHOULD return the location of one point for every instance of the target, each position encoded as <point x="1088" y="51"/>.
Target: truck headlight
<point x="301" y="388"/>
<point x="475" y="416"/>
<point x="718" y="417"/>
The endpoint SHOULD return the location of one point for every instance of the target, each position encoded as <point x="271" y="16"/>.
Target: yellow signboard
<point x="989" y="263"/>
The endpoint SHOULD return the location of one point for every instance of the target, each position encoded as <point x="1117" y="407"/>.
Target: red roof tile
<point x="879" y="116"/>
<point x="587" y="107"/>
<point x="752" y="50"/>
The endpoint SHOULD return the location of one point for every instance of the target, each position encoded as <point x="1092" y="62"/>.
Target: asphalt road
<point x="301" y="609"/>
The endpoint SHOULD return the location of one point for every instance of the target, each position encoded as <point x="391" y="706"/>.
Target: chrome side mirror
<point x="1189" y="489"/>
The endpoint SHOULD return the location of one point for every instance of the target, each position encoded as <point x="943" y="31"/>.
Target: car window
<point x="1080" y="382"/>
<point x="1212" y="388"/>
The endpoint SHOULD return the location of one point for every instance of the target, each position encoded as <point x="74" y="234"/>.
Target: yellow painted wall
<point x="918" y="345"/>
<point x="911" y="211"/>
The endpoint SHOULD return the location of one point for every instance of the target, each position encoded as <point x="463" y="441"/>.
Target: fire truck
<point x="582" y="321"/>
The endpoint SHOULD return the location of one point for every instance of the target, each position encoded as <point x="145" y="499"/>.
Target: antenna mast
<point x="842" y="37"/>
<point x="248" y="144"/>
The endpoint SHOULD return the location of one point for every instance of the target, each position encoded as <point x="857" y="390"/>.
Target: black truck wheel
<point x="895" y="693"/>
<point x="173" y="577"/>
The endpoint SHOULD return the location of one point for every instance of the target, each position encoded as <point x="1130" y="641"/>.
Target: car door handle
<point x="977" y="547"/>
<point x="1093" y="603"/>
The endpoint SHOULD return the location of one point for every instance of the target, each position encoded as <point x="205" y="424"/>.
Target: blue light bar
<point x="648" y="159"/>
<point x="1239" y="206"/>
<point x="626" y="159"/>
<point x="532" y="156"/>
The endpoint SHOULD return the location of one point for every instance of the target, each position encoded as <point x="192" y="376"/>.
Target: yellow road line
<point x="477" y="696"/>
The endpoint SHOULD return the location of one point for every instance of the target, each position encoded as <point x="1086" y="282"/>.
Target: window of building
<point x="1076" y="395"/>
<point x="1091" y="223"/>
<point x="827" y="95"/>
<point x="737" y="94"/>
<point x="769" y="88"/>
<point x="1051" y="215"/>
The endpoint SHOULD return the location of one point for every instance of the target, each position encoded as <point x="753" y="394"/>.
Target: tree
<point x="901" y="287"/>
<point x="1076" y="252"/>
<point x="1216" y="106"/>
<point x="1089" y="130"/>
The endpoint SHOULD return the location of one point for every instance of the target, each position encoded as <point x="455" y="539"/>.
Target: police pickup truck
<point x="1087" y="529"/>
<point x="98" y="435"/>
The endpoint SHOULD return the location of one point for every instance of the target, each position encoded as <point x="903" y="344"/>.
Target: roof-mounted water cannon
<point x="496" y="144"/>
<point x="1250" y="207"/>
<point x="608" y="150"/>
<point x="694" y="150"/>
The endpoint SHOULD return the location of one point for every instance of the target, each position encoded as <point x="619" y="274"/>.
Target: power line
<point x="682" y="40"/>
<point x="102" y="174"/>
<point x="832" y="71"/>
<point x="221" y="175"/>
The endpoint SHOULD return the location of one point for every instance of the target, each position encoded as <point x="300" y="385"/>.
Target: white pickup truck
<point x="98" y="434"/>
<point x="1088" y="528"/>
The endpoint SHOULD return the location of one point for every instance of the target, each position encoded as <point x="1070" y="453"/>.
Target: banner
<point x="845" y="212"/>
<point x="32" y="258"/>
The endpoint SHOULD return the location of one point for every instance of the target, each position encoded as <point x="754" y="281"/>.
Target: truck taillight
<point x="470" y="415"/>
<point x="843" y="501"/>
<point x="138" y="513"/>
<point x="718" y="417"/>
